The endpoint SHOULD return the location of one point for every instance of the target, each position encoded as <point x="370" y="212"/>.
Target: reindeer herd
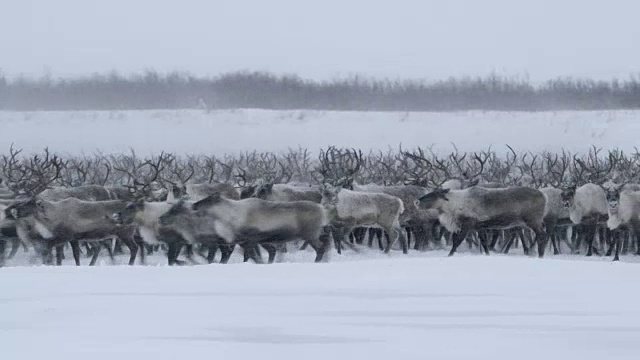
<point x="418" y="199"/>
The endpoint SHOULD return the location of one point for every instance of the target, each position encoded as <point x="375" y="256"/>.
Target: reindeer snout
<point x="566" y="203"/>
<point x="117" y="218"/>
<point x="416" y="203"/>
<point x="15" y="213"/>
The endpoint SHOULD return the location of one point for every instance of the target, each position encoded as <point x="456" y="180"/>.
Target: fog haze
<point x="323" y="39"/>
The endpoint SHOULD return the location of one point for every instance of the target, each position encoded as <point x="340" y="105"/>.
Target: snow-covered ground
<point x="230" y="131"/>
<point x="360" y="306"/>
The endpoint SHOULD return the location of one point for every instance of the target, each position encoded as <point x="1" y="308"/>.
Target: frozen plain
<point x="231" y="131"/>
<point x="365" y="305"/>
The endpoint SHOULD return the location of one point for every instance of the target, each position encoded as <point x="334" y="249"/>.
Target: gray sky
<point x="323" y="39"/>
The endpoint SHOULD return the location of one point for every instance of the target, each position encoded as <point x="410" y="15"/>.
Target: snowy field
<point x="230" y="131"/>
<point x="360" y="306"/>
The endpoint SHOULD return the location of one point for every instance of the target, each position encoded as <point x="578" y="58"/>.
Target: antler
<point x="418" y="168"/>
<point x="480" y="159"/>
<point x="530" y="168"/>
<point x="14" y="172"/>
<point x="44" y="171"/>
<point x="156" y="166"/>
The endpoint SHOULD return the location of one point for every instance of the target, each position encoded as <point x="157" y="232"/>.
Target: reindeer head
<point x="613" y="196"/>
<point x="433" y="200"/>
<point x="23" y="209"/>
<point x="329" y="194"/>
<point x="262" y="191"/>
<point x="568" y="196"/>
<point x="129" y="213"/>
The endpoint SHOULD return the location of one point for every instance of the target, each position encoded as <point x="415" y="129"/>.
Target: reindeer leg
<point x="141" y="246"/>
<point x="404" y="240"/>
<point x="634" y="235"/>
<point x="338" y="233"/>
<point x="554" y="243"/>
<point x="15" y="245"/>
<point x="172" y="253"/>
<point x="360" y="234"/>
<point x="457" y="239"/>
<point x="212" y="248"/>
<point x="322" y="244"/>
<point x="370" y="234"/>
<point x="618" y="244"/>
<point x="179" y="245"/>
<point x="3" y="245"/>
<point x="507" y="245"/>
<point x="612" y="243"/>
<point x="416" y="232"/>
<point x="226" y="250"/>
<point x="483" y="242"/>
<point x="118" y="247"/>
<point x="107" y="245"/>
<point x="96" y="252"/>
<point x="590" y="235"/>
<point x="75" y="249"/>
<point x="540" y="238"/>
<point x="189" y="253"/>
<point x="271" y="250"/>
<point x="59" y="254"/>
<point x="580" y="236"/>
<point x="133" y="249"/>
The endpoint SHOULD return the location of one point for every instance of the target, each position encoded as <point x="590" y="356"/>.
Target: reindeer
<point x="587" y="206"/>
<point x="75" y="220"/>
<point x="624" y="213"/>
<point x="349" y="209"/>
<point x="421" y="221"/>
<point x="251" y="221"/>
<point x="462" y="211"/>
<point x="146" y="216"/>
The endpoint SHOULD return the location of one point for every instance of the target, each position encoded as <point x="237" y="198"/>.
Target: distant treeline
<point x="152" y="90"/>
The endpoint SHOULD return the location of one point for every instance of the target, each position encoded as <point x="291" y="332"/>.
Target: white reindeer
<point x="587" y="207"/>
<point x="349" y="209"/>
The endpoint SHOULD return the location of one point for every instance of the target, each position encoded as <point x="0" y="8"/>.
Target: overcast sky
<point x="323" y="39"/>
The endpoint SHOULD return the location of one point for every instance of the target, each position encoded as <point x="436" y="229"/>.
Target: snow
<point x="232" y="131"/>
<point x="367" y="306"/>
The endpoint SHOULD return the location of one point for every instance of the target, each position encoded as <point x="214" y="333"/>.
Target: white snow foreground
<point x="465" y="307"/>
